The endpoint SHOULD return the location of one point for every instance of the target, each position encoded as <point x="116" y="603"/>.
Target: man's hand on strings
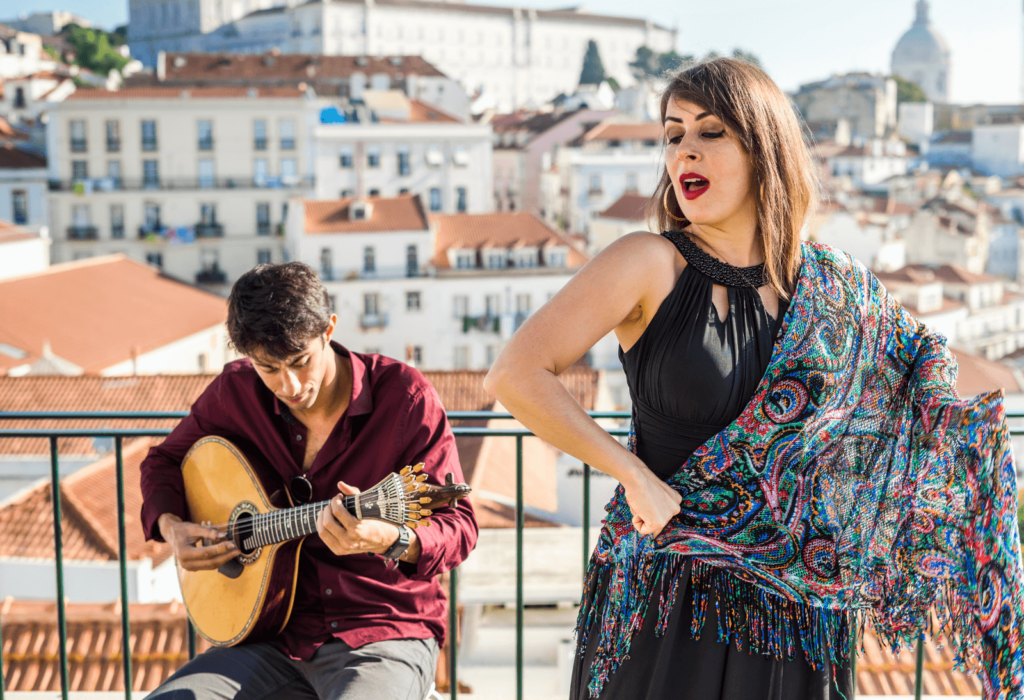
<point x="196" y="547"/>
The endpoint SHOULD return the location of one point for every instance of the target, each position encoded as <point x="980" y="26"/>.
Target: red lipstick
<point x="698" y="185"/>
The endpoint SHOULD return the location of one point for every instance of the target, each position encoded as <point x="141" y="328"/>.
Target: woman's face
<point x="709" y="168"/>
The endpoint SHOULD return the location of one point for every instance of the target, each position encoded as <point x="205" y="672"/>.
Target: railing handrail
<point x="174" y="415"/>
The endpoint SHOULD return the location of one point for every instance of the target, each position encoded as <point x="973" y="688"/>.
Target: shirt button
<point x="299" y="438"/>
<point x="329" y="591"/>
<point x="334" y="625"/>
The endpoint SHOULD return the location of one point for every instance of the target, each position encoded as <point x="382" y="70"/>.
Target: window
<point x="113" y="136"/>
<point x="460" y="157"/>
<point x="435" y="199"/>
<point x="465" y="260"/>
<point x="403" y="161"/>
<point x="492" y="354"/>
<point x="435" y="157"/>
<point x="260" y="172"/>
<point x="326" y="264"/>
<point x="412" y="301"/>
<point x="460" y="306"/>
<point x="414" y="355"/>
<point x="492" y="303"/>
<point x="114" y="174"/>
<point x="262" y="218"/>
<point x="259" y="134"/>
<point x="346" y="194"/>
<point x="79" y="170"/>
<point x="206" y="178"/>
<point x="373" y="157"/>
<point x="81" y="215"/>
<point x="369" y="259"/>
<point x="595" y="183"/>
<point x="374" y="192"/>
<point x="152" y="217"/>
<point x="287" y="135"/>
<point x="631" y="182"/>
<point x="78" y="144"/>
<point x="150" y="174"/>
<point x="461" y="359"/>
<point x="461" y="194"/>
<point x="345" y="158"/>
<point x="117" y="221"/>
<point x="371" y="303"/>
<point x="202" y="362"/>
<point x="208" y="213"/>
<point x="205" y="135"/>
<point x="148" y="135"/>
<point x="412" y="263"/>
<point x="555" y="258"/>
<point x="496" y="260"/>
<point x="19" y="206"/>
<point x="155" y="259"/>
<point x="19" y="97"/>
<point x="262" y="256"/>
<point x="522" y="303"/>
<point x="289" y="174"/>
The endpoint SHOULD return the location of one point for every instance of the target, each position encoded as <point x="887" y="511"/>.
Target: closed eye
<point x="713" y="134"/>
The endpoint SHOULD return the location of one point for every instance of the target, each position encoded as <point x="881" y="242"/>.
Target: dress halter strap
<point x="719" y="272"/>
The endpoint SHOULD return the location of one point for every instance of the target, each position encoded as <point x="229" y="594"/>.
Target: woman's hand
<point x="652" y="501"/>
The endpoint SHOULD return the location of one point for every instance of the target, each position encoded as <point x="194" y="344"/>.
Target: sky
<point x="798" y="41"/>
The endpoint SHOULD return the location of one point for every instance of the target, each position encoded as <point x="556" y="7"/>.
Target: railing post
<point x="453" y="633"/>
<point x="1" y="658"/>
<point x="58" y="549"/>
<point x="122" y="559"/>
<point x="519" y="567"/>
<point x="919" y="671"/>
<point x="190" y="632"/>
<point x="853" y="659"/>
<point x="586" y="518"/>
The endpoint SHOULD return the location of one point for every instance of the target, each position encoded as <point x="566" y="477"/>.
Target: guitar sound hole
<point x="240" y="532"/>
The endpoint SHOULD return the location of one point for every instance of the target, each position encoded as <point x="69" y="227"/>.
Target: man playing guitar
<point x="369" y="614"/>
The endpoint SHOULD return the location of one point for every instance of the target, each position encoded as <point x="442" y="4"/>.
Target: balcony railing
<point x="262" y="228"/>
<point x="373" y="320"/>
<point x="486" y="323"/>
<point x="149" y="144"/>
<point x="119" y="434"/>
<point x="213" y="230"/>
<point x="212" y="276"/>
<point x="79" y="146"/>
<point x="259" y="144"/>
<point x="83" y="233"/>
<point x="113" y="145"/>
<point x="205" y="144"/>
<point x="103" y="184"/>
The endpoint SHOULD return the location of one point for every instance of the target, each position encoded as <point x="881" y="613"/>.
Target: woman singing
<point x="774" y="387"/>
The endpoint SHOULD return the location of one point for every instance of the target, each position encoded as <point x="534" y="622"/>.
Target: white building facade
<point x="519" y="56"/>
<point x="23" y="189"/>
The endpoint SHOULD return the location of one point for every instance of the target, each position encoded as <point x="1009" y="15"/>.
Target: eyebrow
<point x="680" y="121"/>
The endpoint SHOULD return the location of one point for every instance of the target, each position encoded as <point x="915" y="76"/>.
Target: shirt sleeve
<point x="163" y="489"/>
<point x="453" y="532"/>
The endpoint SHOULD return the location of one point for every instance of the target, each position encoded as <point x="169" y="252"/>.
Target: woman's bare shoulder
<point x="642" y="250"/>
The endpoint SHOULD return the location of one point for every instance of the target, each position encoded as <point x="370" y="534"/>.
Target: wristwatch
<point x="401" y="544"/>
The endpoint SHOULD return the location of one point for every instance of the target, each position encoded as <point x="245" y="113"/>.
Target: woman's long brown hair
<point x="784" y="185"/>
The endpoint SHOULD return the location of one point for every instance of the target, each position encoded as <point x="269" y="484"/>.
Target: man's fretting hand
<point x="186" y="540"/>
<point x="344" y="534"/>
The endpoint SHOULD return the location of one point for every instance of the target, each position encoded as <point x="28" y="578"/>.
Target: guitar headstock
<point x="423" y="499"/>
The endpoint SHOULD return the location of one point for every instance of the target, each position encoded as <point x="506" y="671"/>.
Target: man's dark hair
<point x="275" y="310"/>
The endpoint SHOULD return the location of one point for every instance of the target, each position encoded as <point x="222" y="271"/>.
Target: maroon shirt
<point x="395" y="418"/>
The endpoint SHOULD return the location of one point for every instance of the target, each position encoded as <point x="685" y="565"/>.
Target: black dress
<point x="690" y="375"/>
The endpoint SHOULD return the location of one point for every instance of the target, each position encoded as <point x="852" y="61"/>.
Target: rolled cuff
<point x="155" y="506"/>
<point x="431" y="559"/>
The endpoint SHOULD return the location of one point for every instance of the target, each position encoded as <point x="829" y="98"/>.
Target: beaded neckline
<point x="719" y="272"/>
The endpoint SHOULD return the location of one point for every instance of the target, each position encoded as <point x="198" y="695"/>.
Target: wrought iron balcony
<point x="113" y="145"/>
<point x="212" y="230"/>
<point x="83" y="233"/>
<point x="79" y="145"/>
<point x="485" y="323"/>
<point x="213" y="275"/>
<point x="205" y="144"/>
<point x="373" y="320"/>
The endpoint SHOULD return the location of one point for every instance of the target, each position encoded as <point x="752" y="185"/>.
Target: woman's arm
<point x="614" y="291"/>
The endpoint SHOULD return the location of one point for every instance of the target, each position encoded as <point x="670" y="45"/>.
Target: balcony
<point x="117" y="231"/>
<point x="212" y="275"/>
<point x="515" y="579"/>
<point x="205" y="144"/>
<point x="213" y="230"/>
<point x="113" y="145"/>
<point x="148" y="231"/>
<point x="79" y="146"/>
<point x="105" y="184"/>
<point x="259" y="145"/>
<point x="486" y="323"/>
<point x="149" y="144"/>
<point x="262" y="228"/>
<point x="373" y="320"/>
<point x="83" y="233"/>
<point x="287" y="144"/>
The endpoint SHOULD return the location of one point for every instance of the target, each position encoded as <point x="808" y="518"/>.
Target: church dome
<point x="922" y="43"/>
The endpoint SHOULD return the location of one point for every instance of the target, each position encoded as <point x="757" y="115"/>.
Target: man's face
<point x="296" y="380"/>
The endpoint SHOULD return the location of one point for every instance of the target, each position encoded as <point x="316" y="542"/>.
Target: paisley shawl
<point x="854" y="487"/>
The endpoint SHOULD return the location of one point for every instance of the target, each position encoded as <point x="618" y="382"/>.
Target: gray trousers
<point x="398" y="669"/>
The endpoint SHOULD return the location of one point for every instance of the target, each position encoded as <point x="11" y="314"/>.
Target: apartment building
<point x="195" y="181"/>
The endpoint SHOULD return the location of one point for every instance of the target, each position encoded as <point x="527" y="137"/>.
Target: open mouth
<point x="693" y="185"/>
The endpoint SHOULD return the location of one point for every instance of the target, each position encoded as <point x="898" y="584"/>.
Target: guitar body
<point x="221" y="487"/>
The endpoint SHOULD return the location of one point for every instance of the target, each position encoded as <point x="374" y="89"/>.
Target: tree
<point x="907" y="91"/>
<point x="93" y="49"/>
<point x="742" y="55"/>
<point x="670" y="62"/>
<point x="593" y="69"/>
<point x="645" y="65"/>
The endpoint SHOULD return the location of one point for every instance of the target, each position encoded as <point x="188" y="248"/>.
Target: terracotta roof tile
<point x="976" y="375"/>
<point x="223" y="68"/>
<point x="159" y="645"/>
<point x="93" y="312"/>
<point x="880" y="672"/>
<point x="402" y="213"/>
<point x="7" y="131"/>
<point x="628" y="207"/>
<point x="422" y="112"/>
<point x="12" y="158"/>
<point x="194" y="93"/>
<point x="89" y="515"/>
<point x="166" y="392"/>
<point x="499" y="230"/>
<point x="954" y="274"/>
<point x="616" y="131"/>
<point x="12" y="233"/>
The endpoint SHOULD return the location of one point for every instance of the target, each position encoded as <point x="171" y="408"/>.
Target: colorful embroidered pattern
<point x="855" y="487"/>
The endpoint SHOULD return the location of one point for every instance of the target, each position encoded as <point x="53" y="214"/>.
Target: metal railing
<point x="119" y="435"/>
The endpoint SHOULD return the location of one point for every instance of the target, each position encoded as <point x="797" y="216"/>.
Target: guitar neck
<point x="292" y="523"/>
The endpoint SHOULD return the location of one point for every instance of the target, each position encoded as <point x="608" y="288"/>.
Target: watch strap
<point x="397" y="549"/>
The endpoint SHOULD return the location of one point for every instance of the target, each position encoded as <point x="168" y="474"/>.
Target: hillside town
<point x="446" y="168"/>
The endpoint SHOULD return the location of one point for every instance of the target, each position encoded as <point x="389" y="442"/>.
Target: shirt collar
<point x="361" y="401"/>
